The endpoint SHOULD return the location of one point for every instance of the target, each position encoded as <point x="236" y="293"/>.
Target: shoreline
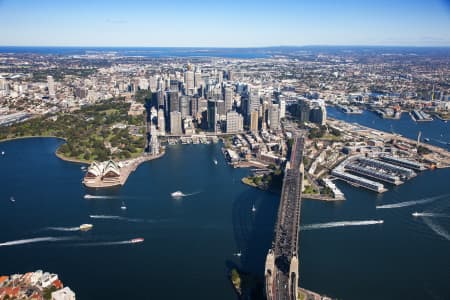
<point x="304" y="196"/>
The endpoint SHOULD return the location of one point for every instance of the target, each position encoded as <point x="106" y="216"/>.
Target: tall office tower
<point x="189" y="82"/>
<point x="303" y="110"/>
<point x="160" y="84"/>
<point x="188" y="125"/>
<point x="235" y="122"/>
<point x="174" y="85"/>
<point x="228" y="97"/>
<point x="212" y="115"/>
<point x="184" y="106"/>
<point x="160" y="98"/>
<point x="194" y="106"/>
<point x="264" y="115"/>
<point x="153" y="83"/>
<point x="161" y="122"/>
<point x="220" y="76"/>
<point x="318" y="113"/>
<point x="153" y="142"/>
<point x="198" y="81"/>
<point x="175" y="123"/>
<point x="254" y="116"/>
<point x="274" y="116"/>
<point x="253" y="102"/>
<point x="221" y="108"/>
<point x="282" y="108"/>
<point x="230" y="75"/>
<point x="143" y="84"/>
<point x="51" y="87"/>
<point x="174" y="101"/>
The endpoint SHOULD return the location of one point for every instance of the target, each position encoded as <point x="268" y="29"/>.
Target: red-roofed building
<point x="58" y="284"/>
<point x="3" y="279"/>
<point x="11" y="292"/>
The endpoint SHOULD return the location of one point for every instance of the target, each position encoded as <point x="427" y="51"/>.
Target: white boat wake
<point x="430" y="215"/>
<point x="107" y="217"/>
<point x="340" y="224"/>
<point x="437" y="229"/>
<point x="180" y="194"/>
<point x="105" y="243"/>
<point x="411" y="203"/>
<point x="87" y="196"/>
<point x="63" y="228"/>
<point x="36" y="240"/>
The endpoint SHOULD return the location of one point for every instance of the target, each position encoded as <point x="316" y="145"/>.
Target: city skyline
<point x="224" y="24"/>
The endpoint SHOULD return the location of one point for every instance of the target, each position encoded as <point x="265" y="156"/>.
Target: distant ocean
<point x="261" y="52"/>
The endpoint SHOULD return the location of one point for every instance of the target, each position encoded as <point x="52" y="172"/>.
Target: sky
<point x="226" y="23"/>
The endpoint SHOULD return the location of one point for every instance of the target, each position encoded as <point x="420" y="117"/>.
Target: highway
<point x="282" y="262"/>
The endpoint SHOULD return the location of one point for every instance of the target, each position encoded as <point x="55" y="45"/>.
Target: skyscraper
<point x="212" y="115"/>
<point x="235" y="122"/>
<point x="253" y="102"/>
<point x="189" y="82"/>
<point x="274" y="116"/>
<point x="254" y="116"/>
<point x="51" y="87"/>
<point x="175" y="123"/>
<point x="184" y="106"/>
<point x="174" y="102"/>
<point x="228" y="97"/>
<point x="161" y="122"/>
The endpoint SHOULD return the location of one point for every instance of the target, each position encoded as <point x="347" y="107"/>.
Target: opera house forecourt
<point x="103" y="174"/>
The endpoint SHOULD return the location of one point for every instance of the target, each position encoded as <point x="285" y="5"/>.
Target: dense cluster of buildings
<point x="34" y="285"/>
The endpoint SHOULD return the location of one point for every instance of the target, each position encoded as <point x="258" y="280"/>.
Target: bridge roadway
<point x="282" y="263"/>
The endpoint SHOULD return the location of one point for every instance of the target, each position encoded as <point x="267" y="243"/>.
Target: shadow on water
<point x="253" y="233"/>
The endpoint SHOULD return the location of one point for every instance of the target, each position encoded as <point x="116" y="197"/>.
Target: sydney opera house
<point x="103" y="174"/>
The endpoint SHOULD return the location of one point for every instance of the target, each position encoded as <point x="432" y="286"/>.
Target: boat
<point x="3" y="152"/>
<point x="123" y="207"/>
<point x="238" y="254"/>
<point x="12" y="199"/>
<point x="86" y="227"/>
<point x="416" y="214"/>
<point x="137" y="240"/>
<point x="215" y="161"/>
<point x="177" y="194"/>
<point x="426" y="139"/>
<point x="253" y="208"/>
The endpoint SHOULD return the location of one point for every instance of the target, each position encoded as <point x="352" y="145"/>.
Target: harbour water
<point x="190" y="242"/>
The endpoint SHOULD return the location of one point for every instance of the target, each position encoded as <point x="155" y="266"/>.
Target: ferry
<point x="137" y="240"/>
<point x="177" y="194"/>
<point x="86" y="227"/>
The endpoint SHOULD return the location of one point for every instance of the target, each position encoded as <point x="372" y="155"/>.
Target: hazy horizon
<point x="231" y="24"/>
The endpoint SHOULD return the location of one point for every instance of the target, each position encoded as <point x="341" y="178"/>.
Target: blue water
<point x="189" y="243"/>
<point x="145" y="51"/>
<point x="437" y="131"/>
